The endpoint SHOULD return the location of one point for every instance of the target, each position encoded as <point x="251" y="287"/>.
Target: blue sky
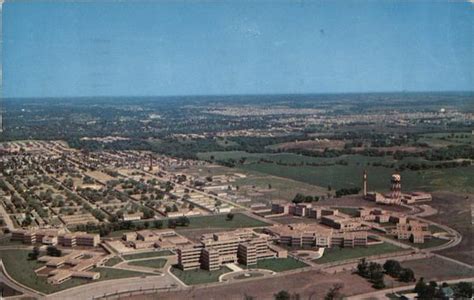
<point x="106" y="48"/>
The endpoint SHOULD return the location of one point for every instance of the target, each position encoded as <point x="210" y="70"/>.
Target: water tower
<point x="396" y="186"/>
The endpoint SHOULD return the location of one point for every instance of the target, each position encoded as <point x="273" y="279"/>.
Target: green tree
<point x="334" y="292"/>
<point x="407" y="275"/>
<point x="282" y="295"/>
<point x="463" y="290"/>
<point x="33" y="255"/>
<point x="392" y="268"/>
<point x="157" y="223"/>
<point x="363" y="268"/>
<point x="421" y="288"/>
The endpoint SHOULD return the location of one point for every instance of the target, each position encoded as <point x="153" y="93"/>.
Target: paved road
<point x="99" y="289"/>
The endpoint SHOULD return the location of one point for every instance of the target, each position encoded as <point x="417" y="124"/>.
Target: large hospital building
<point x="213" y="250"/>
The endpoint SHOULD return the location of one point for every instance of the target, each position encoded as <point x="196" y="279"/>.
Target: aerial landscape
<point x="125" y="173"/>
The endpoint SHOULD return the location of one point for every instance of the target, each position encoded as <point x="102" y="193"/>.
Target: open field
<point x="447" y="139"/>
<point x="199" y="276"/>
<point x="459" y="179"/>
<point x="209" y="222"/>
<point x="308" y="284"/>
<point x="22" y="270"/>
<point x="278" y="264"/>
<point x="221" y="221"/>
<point x="454" y="210"/>
<point x="435" y="268"/>
<point x="147" y="255"/>
<point x="329" y="173"/>
<point x="337" y="253"/>
<point x="150" y="263"/>
<point x="281" y="188"/>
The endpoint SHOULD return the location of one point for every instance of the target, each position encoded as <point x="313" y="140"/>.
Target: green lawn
<point x="435" y="229"/>
<point x="5" y="241"/>
<point x="429" y="243"/>
<point x="278" y="264"/>
<point x="199" y="276"/>
<point x="220" y="221"/>
<point x="107" y="273"/>
<point x="147" y="254"/>
<point x="150" y="263"/>
<point x="338" y="253"/>
<point x="22" y="270"/>
<point x="347" y="210"/>
<point x="113" y="261"/>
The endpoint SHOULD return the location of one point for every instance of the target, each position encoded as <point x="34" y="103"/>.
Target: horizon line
<point x="244" y="94"/>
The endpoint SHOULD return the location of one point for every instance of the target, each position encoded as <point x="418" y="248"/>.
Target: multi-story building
<point x="416" y="197"/>
<point x="213" y="250"/>
<point x="342" y="223"/>
<point x="414" y="231"/>
<point x="303" y="210"/>
<point x="55" y="236"/>
<point x="86" y="239"/>
<point x="314" y="235"/>
<point x="189" y="257"/>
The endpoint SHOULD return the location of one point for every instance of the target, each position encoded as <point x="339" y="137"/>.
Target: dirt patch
<point x="308" y="284"/>
<point x="454" y="210"/>
<point x="438" y="269"/>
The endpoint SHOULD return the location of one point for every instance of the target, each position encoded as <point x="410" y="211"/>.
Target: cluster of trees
<point x="53" y="251"/>
<point x="334" y="293"/>
<point x="285" y="295"/>
<point x="372" y="271"/>
<point x="394" y="269"/>
<point x="375" y="272"/>
<point x="181" y="221"/>
<point x="34" y="254"/>
<point x="347" y="191"/>
<point x="431" y="290"/>
<point x="442" y="165"/>
<point x="300" y="198"/>
<point x="105" y="229"/>
<point x="450" y="153"/>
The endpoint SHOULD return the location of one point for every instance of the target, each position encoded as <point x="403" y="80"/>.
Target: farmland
<point x="345" y="171"/>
